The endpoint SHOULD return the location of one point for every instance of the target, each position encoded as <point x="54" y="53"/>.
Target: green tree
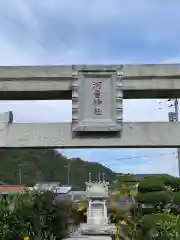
<point x="120" y="214"/>
<point x="161" y="226"/>
<point x="125" y="185"/>
<point x="36" y="214"/>
<point x="42" y="165"/>
<point x="169" y="181"/>
<point x="160" y="193"/>
<point x="153" y="192"/>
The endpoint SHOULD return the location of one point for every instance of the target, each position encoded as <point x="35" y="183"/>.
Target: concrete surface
<point x="140" y="81"/>
<point x="146" y="134"/>
<point x="98" y="229"/>
<point x="6" y="117"/>
<point x="89" y="238"/>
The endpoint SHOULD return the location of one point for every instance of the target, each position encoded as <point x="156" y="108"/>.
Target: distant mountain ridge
<point x="138" y="177"/>
<point x="29" y="166"/>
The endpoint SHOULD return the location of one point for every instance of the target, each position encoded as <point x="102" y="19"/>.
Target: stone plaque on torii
<point x="97" y="97"/>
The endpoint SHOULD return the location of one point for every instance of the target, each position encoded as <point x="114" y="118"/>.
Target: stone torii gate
<point x="97" y="94"/>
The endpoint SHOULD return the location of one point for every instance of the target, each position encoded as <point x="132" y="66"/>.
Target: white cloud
<point x="60" y="111"/>
<point x="160" y="164"/>
<point x="172" y="60"/>
<point x="132" y="160"/>
<point x="38" y="111"/>
<point x="55" y="32"/>
<point x="110" y="31"/>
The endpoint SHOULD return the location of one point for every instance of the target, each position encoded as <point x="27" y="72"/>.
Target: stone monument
<point x="97" y="194"/>
<point x="98" y="225"/>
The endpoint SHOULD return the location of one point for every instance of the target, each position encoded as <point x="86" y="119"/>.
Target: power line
<point x="174" y="117"/>
<point x="68" y="172"/>
<point x="115" y="161"/>
<point x="176" y="111"/>
<point x="134" y="157"/>
<point x="140" y="157"/>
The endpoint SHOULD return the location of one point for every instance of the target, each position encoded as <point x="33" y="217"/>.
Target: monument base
<point x="89" y="238"/>
<point x="97" y="229"/>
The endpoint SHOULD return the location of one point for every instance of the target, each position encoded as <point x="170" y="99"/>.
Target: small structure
<point x="47" y="186"/>
<point x="97" y="225"/>
<point x="10" y="189"/>
<point x="54" y="187"/>
<point x="97" y="194"/>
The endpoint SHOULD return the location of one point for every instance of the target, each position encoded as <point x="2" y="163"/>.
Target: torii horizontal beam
<point x="59" y="135"/>
<point x="55" y="82"/>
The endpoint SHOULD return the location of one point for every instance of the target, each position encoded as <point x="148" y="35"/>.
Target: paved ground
<point x="89" y="238"/>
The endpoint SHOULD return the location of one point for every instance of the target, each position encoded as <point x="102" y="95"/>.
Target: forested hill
<point x="46" y="165"/>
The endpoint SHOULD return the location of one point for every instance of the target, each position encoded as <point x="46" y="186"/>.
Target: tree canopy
<point x="156" y="212"/>
<point x="154" y="191"/>
<point x="38" y="165"/>
<point x="37" y="215"/>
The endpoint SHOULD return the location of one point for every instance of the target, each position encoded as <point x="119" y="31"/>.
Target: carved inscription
<point x="97" y="101"/>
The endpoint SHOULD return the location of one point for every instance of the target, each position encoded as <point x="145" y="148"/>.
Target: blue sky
<point x="91" y="32"/>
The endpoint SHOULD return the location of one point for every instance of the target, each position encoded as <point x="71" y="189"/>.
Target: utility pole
<point x="68" y="172"/>
<point x="177" y="119"/>
<point x="89" y="177"/>
<point x="174" y="117"/>
<point x="20" y="175"/>
<point x="99" y="177"/>
<point x="176" y="109"/>
<point x="103" y="175"/>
